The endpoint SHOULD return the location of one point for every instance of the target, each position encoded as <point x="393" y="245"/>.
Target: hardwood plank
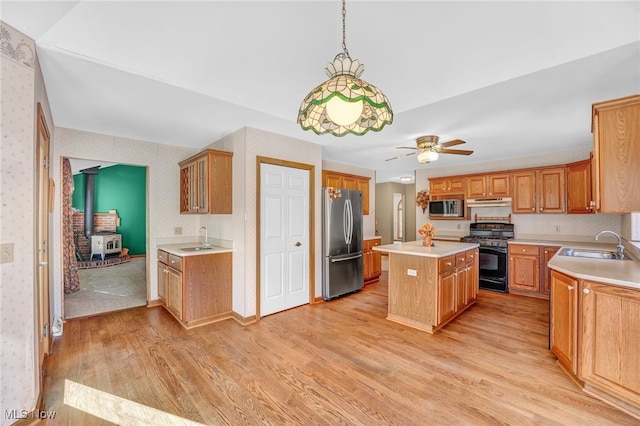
<point x="338" y="362"/>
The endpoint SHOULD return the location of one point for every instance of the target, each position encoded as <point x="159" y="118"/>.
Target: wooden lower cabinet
<point x="372" y="260"/>
<point x="610" y="343"/>
<point x="564" y="320"/>
<point x="528" y="271"/>
<point x="428" y="292"/>
<point x="196" y="290"/>
<point x="594" y="331"/>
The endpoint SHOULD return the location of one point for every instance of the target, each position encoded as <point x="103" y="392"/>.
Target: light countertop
<point x="415" y="248"/>
<point x="176" y="249"/>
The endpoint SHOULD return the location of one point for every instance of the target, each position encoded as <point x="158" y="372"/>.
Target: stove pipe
<point x="89" y="191"/>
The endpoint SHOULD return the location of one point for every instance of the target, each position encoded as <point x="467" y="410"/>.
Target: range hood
<point x="489" y="202"/>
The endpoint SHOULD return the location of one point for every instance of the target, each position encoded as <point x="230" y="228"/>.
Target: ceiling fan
<point x="428" y="149"/>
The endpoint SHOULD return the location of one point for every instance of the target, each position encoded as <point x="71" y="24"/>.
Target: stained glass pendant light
<point x="345" y="103"/>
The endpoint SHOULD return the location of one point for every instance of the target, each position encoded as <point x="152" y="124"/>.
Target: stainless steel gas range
<point x="492" y="238"/>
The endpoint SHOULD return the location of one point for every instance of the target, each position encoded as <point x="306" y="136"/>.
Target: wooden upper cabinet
<point x="344" y="180"/>
<point x="524" y="192"/>
<point x="447" y="186"/>
<point x="579" y="196"/>
<point x="616" y="149"/>
<point x="206" y="183"/>
<point x="493" y="185"/>
<point x="551" y="190"/>
<point x="539" y="191"/>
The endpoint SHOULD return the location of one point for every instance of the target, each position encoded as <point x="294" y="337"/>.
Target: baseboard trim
<point x="243" y="320"/>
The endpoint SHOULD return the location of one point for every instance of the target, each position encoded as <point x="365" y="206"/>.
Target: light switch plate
<point x="412" y="272"/>
<point x="177" y="230"/>
<point x="6" y="252"/>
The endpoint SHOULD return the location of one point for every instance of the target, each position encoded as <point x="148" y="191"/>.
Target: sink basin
<point x="591" y="254"/>
<point x="196" y="248"/>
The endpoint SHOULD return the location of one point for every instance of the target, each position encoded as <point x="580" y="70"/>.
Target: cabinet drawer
<point x="369" y="244"/>
<point x="470" y="255"/>
<point x="461" y="258"/>
<point x="446" y="262"/>
<point x="524" y="249"/>
<point x="163" y="256"/>
<point x="175" y="262"/>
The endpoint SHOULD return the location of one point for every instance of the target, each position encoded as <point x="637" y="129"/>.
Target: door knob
<point x="298" y="244"/>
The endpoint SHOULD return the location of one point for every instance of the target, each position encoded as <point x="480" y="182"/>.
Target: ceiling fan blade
<point x="452" y="143"/>
<point x="406" y="147"/>
<point x="455" y="151"/>
<point x="401" y="156"/>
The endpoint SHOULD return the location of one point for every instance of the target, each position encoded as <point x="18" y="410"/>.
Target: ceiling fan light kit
<point x="428" y="149"/>
<point x="345" y="103"/>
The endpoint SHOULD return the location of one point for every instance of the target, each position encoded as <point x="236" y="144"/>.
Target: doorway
<point x="112" y="279"/>
<point x="285" y="235"/>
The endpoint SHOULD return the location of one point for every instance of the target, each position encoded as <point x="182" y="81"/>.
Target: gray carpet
<point x="108" y="289"/>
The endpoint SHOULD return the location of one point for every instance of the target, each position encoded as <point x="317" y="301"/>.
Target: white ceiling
<point x="512" y="78"/>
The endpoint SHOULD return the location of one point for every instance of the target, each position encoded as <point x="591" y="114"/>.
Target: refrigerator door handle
<point x="344" y="223"/>
<point x="346" y="258"/>
<point x="349" y="222"/>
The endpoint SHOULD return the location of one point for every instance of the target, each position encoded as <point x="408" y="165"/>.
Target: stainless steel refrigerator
<point x="342" y="272"/>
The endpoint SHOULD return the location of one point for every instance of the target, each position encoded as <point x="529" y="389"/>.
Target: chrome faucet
<point x="206" y="237"/>
<point x="620" y="246"/>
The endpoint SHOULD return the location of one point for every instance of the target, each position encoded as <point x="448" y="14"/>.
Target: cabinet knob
<point x="569" y="287"/>
<point x="586" y="291"/>
<point x="448" y="263"/>
<point x="173" y="261"/>
<point x="541" y="209"/>
<point x="533" y="209"/>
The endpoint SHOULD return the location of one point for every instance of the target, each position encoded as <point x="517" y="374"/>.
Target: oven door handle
<point x="493" y="249"/>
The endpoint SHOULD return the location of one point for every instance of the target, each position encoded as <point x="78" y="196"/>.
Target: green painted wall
<point x="123" y="189"/>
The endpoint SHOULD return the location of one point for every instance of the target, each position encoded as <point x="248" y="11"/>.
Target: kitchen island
<point x="430" y="286"/>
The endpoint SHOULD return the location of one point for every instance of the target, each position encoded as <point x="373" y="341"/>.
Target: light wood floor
<point x="338" y="362"/>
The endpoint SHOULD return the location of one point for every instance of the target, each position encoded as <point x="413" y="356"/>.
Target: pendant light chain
<point x="344" y="29"/>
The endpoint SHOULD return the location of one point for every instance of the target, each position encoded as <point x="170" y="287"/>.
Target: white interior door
<point x="284" y="238"/>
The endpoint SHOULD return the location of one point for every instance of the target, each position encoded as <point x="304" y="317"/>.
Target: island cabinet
<point x="579" y="195"/>
<point x="206" y="183"/>
<point x="594" y="334"/>
<point x="427" y="292"/>
<point x="372" y="260"/>
<point x="196" y="290"/>
<point x="539" y="191"/>
<point x="492" y="185"/>
<point x="348" y="181"/>
<point x="616" y="149"/>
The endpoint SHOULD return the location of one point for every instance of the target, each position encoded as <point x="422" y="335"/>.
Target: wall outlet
<point x="557" y="228"/>
<point x="177" y="230"/>
<point x="412" y="272"/>
<point x="459" y="226"/>
<point x="6" y="252"/>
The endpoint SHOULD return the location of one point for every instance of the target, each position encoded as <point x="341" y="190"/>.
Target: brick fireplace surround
<point x="101" y="222"/>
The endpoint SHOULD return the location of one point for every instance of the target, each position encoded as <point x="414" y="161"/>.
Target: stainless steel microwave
<point x="446" y="208"/>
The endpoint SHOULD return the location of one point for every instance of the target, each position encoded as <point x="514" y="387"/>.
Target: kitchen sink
<point x="198" y="248"/>
<point x="591" y="254"/>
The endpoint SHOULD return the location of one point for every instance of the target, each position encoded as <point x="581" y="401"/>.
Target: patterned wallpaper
<point x="17" y="170"/>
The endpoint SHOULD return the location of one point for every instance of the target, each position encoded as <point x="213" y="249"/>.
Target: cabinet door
<point x="456" y="185"/>
<point x="579" y="187"/>
<point x="438" y="186"/>
<point x="350" y="182"/>
<point x="616" y="151"/>
<point x="524" y="273"/>
<point x="524" y="192"/>
<point x="551" y="190"/>
<point x="333" y="180"/>
<point x="472" y="283"/>
<point x="610" y="341"/>
<point x="376" y="264"/>
<point x="363" y="185"/>
<point x="461" y="288"/>
<point x="185" y="200"/>
<point x="202" y="185"/>
<point x="446" y="296"/>
<point x="476" y="187"/>
<point x="499" y="185"/>
<point x="545" y="274"/>
<point x="174" y="293"/>
<point x="163" y="276"/>
<point x="564" y="320"/>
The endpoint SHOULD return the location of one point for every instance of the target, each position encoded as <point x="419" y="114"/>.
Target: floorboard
<point x="337" y="362"/>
